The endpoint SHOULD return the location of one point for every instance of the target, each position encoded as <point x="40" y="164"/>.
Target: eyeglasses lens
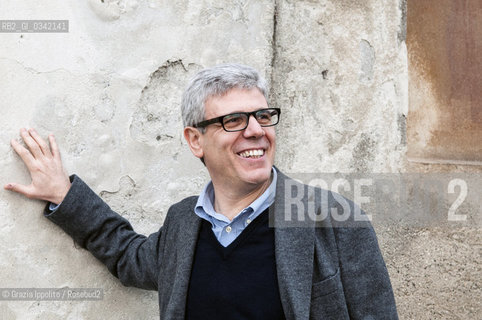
<point x="267" y="117"/>
<point x="236" y="121"/>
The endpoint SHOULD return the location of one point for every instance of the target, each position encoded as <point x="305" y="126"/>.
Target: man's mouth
<point x="253" y="153"/>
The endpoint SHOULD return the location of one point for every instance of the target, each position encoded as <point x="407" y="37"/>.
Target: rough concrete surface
<point x="110" y="89"/>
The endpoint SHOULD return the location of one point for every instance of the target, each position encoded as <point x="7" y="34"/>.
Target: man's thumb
<point x="17" y="188"/>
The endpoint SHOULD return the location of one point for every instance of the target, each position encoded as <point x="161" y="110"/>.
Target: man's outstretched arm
<point x="49" y="180"/>
<point x="131" y="257"/>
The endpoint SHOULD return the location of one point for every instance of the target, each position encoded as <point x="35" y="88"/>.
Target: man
<point x="217" y="256"/>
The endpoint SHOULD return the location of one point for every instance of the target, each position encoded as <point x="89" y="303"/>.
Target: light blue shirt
<point x="53" y="206"/>
<point x="227" y="231"/>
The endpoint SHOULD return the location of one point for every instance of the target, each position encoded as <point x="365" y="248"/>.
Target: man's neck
<point x="230" y="201"/>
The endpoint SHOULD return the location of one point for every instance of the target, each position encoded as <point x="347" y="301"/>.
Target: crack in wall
<point x="34" y="71"/>
<point x="402" y="32"/>
<point x="274" y="50"/>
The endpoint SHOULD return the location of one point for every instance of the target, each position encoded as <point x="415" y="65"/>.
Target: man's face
<point x="227" y="154"/>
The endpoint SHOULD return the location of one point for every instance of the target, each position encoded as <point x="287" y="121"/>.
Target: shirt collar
<point x="204" y="207"/>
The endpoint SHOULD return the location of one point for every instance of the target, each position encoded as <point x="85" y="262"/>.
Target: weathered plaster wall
<point x="445" y="79"/>
<point x="110" y="90"/>
<point x="340" y="75"/>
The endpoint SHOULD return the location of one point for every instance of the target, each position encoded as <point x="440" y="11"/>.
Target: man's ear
<point x="194" y="139"/>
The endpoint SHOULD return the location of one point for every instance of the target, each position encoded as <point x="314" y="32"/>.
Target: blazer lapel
<point x="185" y="245"/>
<point x="294" y="251"/>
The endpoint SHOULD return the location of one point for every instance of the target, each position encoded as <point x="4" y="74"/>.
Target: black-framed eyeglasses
<point x="238" y="121"/>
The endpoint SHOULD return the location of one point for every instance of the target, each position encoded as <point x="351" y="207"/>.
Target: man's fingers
<point x="31" y="143"/>
<point x="22" y="152"/>
<point x="40" y="142"/>
<point x="54" y="147"/>
<point x="19" y="188"/>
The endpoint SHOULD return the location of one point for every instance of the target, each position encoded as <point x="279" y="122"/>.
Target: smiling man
<point x="218" y="256"/>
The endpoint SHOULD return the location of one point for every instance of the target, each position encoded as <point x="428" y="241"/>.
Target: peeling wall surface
<point x="110" y="91"/>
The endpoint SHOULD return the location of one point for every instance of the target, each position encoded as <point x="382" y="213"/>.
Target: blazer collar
<point x="188" y="231"/>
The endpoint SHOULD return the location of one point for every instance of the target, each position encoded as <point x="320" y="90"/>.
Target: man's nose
<point x="253" y="129"/>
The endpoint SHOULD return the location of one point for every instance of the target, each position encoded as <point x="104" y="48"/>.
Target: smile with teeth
<point x="254" y="153"/>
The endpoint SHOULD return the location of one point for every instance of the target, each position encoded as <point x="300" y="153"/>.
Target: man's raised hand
<point x="49" y="181"/>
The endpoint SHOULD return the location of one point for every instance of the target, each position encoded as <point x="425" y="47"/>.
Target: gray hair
<point x="217" y="81"/>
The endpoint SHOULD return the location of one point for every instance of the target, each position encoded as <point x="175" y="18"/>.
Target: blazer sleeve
<point x="131" y="257"/>
<point x="364" y="276"/>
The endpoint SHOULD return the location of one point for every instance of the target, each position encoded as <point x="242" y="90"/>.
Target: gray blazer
<point x="324" y="271"/>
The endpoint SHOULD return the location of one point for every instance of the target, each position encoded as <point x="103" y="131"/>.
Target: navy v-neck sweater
<point x="238" y="281"/>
